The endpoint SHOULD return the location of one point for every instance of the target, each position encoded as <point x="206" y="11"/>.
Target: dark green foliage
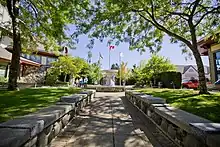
<point x="131" y="81"/>
<point x="167" y="78"/>
<point x="115" y="66"/>
<point x="50" y="79"/>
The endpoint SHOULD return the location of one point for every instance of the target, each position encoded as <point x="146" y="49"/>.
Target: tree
<point x="143" y="24"/>
<point x="95" y="73"/>
<point x="156" y="65"/>
<point x="123" y="71"/>
<point x="35" y="22"/>
<point x="115" y="66"/>
<point x="73" y="66"/>
<point x="137" y="75"/>
<point x="89" y="56"/>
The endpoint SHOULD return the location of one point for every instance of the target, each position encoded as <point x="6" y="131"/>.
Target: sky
<point x="171" y="51"/>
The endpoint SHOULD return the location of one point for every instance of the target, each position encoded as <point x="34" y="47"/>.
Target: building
<point x="211" y="48"/>
<point x="190" y="71"/>
<point x="5" y="59"/>
<point x="37" y="60"/>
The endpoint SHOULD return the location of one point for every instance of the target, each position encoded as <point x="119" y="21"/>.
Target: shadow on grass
<point x="19" y="103"/>
<point x="206" y="106"/>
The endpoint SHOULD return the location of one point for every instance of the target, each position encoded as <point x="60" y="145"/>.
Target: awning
<point x="29" y="62"/>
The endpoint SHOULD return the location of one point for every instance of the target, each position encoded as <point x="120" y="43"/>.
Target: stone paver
<point x="105" y="123"/>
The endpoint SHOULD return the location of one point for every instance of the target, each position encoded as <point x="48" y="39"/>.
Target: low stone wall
<point x="100" y="88"/>
<point x="39" y="128"/>
<point x="183" y="128"/>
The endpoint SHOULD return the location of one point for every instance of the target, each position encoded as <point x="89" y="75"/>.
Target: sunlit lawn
<point x="207" y="106"/>
<point x="18" y="103"/>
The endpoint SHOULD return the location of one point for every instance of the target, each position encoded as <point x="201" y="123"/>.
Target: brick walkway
<point x="105" y="123"/>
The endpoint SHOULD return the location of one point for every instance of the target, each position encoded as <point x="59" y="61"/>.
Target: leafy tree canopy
<point x="156" y="65"/>
<point x="143" y="23"/>
<point x="43" y="22"/>
<point x="67" y="65"/>
<point x="95" y="73"/>
<point x="150" y="69"/>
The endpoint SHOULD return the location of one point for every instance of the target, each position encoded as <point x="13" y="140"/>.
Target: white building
<point x="190" y="71"/>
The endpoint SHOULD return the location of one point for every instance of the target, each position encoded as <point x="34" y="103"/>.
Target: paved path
<point x="105" y="123"/>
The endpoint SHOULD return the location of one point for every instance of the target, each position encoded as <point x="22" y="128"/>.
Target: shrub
<point x="167" y="78"/>
<point x="50" y="79"/>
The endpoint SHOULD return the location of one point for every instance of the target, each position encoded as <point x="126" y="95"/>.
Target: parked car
<point x="190" y="84"/>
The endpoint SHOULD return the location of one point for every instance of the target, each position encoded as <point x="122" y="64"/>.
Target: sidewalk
<point x="103" y="124"/>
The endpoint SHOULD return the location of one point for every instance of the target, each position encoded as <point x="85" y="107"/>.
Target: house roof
<point x="4" y="54"/>
<point x="29" y="62"/>
<point x="184" y="68"/>
<point x="205" y="43"/>
<point x="187" y="67"/>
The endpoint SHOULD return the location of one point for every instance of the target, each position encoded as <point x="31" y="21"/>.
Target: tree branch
<point x="33" y="6"/>
<point x="162" y="28"/>
<point x="196" y="3"/>
<point x="203" y="16"/>
<point x="179" y="14"/>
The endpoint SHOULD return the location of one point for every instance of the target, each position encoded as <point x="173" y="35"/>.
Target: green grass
<point x="19" y="103"/>
<point x="206" y="106"/>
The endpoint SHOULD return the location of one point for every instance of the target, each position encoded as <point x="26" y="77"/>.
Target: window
<point x="50" y="59"/>
<point x="35" y="58"/>
<point x="2" y="70"/>
<point x="217" y="61"/>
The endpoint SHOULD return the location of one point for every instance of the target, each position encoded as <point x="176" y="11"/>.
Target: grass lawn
<point x="206" y="106"/>
<point x="18" y="103"/>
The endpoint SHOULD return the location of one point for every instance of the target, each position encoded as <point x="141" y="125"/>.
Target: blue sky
<point x="171" y="51"/>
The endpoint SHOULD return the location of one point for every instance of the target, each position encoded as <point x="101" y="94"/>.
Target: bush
<point x="50" y="79"/>
<point x="168" y="77"/>
<point x="131" y="81"/>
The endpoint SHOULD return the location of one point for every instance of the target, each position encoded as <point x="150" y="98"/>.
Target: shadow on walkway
<point x="105" y="123"/>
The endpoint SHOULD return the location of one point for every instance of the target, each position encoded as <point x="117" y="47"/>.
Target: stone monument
<point x="109" y="77"/>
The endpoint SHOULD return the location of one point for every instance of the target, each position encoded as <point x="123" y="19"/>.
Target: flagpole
<point x="109" y="58"/>
<point x="120" y="68"/>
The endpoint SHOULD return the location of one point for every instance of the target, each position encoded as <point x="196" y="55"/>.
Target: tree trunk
<point x="202" y="80"/>
<point x="15" y="60"/>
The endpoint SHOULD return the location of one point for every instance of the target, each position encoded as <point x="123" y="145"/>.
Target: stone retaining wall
<point x="183" y="128"/>
<point x="39" y="128"/>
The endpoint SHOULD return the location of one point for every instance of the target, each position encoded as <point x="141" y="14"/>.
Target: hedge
<point x="170" y="79"/>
